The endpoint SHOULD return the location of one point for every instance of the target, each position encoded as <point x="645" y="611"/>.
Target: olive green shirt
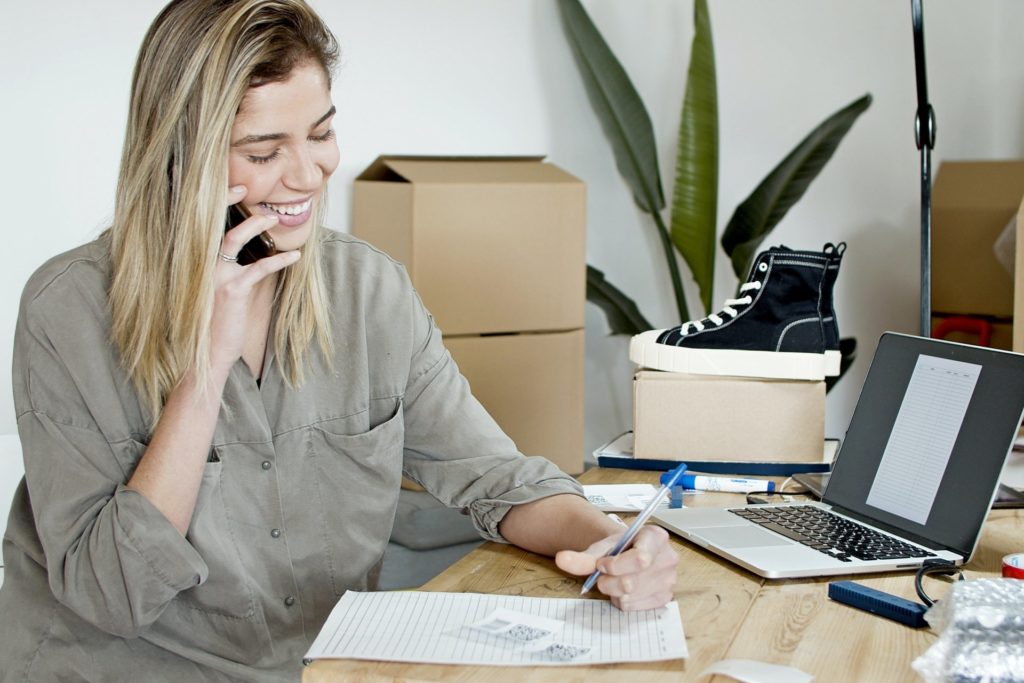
<point x="296" y="504"/>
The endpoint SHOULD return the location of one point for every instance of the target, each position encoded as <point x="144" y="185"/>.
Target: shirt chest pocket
<point x="354" y="479"/>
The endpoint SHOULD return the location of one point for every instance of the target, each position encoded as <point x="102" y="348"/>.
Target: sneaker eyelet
<point x="762" y="266"/>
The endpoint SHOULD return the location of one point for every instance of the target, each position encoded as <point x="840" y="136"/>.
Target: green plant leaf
<point x="618" y="105"/>
<point x="784" y="186"/>
<point x="621" y="311"/>
<point x="695" y="197"/>
<point x="626" y="124"/>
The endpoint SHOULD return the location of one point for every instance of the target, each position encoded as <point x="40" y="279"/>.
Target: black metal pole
<point x="924" y="132"/>
<point x="926" y="241"/>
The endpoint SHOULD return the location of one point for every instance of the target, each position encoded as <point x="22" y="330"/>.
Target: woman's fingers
<point x="641" y="554"/>
<point x="584" y="563"/>
<point x="575" y="563"/>
<point x="236" y="238"/>
<point x="236" y="194"/>
<point x="255" y="272"/>
<point x="638" y="585"/>
<point x="630" y="603"/>
<point x="642" y="577"/>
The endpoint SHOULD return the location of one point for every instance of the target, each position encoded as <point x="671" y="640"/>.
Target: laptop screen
<point x="928" y="439"/>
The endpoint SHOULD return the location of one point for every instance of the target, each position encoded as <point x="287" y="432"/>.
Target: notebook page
<point x="495" y="630"/>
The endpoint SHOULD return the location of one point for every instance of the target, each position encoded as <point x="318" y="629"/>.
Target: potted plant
<point x="691" y="229"/>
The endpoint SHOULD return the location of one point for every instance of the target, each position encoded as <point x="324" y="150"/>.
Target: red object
<point x="1013" y="566"/>
<point x="960" y="323"/>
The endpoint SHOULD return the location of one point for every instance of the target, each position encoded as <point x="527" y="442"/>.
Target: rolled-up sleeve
<point x="456" y="450"/>
<point x="111" y="556"/>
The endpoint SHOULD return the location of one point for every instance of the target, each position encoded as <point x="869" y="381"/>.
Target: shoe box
<point x="680" y="416"/>
<point x="496" y="248"/>
<point x="974" y="247"/>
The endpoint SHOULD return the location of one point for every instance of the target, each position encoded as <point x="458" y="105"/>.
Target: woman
<point x="214" y="450"/>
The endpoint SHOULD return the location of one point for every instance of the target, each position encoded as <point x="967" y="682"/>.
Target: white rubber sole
<point x="645" y="351"/>
<point x="832" y="360"/>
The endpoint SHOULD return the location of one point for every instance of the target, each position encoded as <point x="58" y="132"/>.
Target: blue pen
<point x="631" y="532"/>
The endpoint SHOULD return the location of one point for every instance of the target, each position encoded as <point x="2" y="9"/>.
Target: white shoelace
<point x="728" y="309"/>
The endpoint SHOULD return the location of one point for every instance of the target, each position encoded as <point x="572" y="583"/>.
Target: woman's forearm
<point x="171" y="470"/>
<point x="562" y="522"/>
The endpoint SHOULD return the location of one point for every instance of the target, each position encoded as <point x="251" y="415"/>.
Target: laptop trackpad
<point x="740" y="537"/>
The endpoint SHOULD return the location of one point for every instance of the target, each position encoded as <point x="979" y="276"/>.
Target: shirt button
<point x="265" y="464"/>
<point x="275" y="533"/>
<point x="289" y="601"/>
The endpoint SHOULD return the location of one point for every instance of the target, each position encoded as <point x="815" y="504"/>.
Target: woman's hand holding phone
<point x="259" y="247"/>
<point x="236" y="283"/>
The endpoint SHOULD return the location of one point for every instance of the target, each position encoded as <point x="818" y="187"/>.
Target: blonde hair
<point x="196" y="63"/>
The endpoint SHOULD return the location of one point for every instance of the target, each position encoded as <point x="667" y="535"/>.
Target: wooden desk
<point x="727" y="613"/>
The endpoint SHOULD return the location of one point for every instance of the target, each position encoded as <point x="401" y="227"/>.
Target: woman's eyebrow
<point x="251" y="139"/>
<point x="329" y="114"/>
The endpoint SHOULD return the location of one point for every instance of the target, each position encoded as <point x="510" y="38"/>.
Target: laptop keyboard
<point x="831" y="534"/>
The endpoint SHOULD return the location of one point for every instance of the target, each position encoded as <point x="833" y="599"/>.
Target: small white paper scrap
<point x="621" y="497"/>
<point x="518" y="626"/>
<point x="537" y="635"/>
<point x="751" y="671"/>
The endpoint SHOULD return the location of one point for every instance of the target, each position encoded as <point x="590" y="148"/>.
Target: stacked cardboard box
<point x="973" y="202"/>
<point x="678" y="416"/>
<point x="496" y="248"/>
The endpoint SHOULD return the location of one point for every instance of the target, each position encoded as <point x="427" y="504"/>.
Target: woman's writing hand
<point x="641" y="577"/>
<point x="236" y="284"/>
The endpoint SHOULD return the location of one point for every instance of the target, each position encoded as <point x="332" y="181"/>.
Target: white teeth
<point x="290" y="209"/>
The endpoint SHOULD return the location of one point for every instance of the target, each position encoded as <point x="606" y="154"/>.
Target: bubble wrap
<point x="981" y="627"/>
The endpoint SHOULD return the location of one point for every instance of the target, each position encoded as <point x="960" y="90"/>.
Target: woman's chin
<point x="291" y="238"/>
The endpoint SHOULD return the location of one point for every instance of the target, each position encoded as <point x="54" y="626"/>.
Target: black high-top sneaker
<point x="828" y="311"/>
<point x="775" y="329"/>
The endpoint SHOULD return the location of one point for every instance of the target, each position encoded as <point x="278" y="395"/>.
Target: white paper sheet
<point x="750" y="671"/>
<point x="451" y="628"/>
<point x="921" y="442"/>
<point x="621" y="497"/>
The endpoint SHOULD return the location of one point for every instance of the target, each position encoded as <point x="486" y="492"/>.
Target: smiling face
<point x="283" y="150"/>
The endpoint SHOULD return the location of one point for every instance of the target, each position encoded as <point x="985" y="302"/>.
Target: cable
<point x="940" y="567"/>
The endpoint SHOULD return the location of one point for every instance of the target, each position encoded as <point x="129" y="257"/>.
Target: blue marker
<point x="700" y="482"/>
<point x="673" y="478"/>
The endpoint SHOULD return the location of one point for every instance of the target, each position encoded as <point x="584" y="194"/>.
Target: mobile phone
<point x="260" y="246"/>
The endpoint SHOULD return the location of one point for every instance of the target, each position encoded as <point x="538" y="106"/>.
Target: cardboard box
<point x="532" y="384"/>
<point x="972" y="202"/>
<point x="680" y="416"/>
<point x="491" y="244"/>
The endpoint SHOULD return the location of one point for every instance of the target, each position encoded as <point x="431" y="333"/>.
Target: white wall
<point x="496" y="77"/>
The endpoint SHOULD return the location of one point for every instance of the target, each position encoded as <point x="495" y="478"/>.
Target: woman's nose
<point x="304" y="173"/>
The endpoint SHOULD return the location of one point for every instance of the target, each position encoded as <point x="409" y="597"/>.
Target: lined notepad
<point x="502" y="630"/>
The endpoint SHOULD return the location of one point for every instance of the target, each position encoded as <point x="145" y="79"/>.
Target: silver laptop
<point x="914" y="479"/>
